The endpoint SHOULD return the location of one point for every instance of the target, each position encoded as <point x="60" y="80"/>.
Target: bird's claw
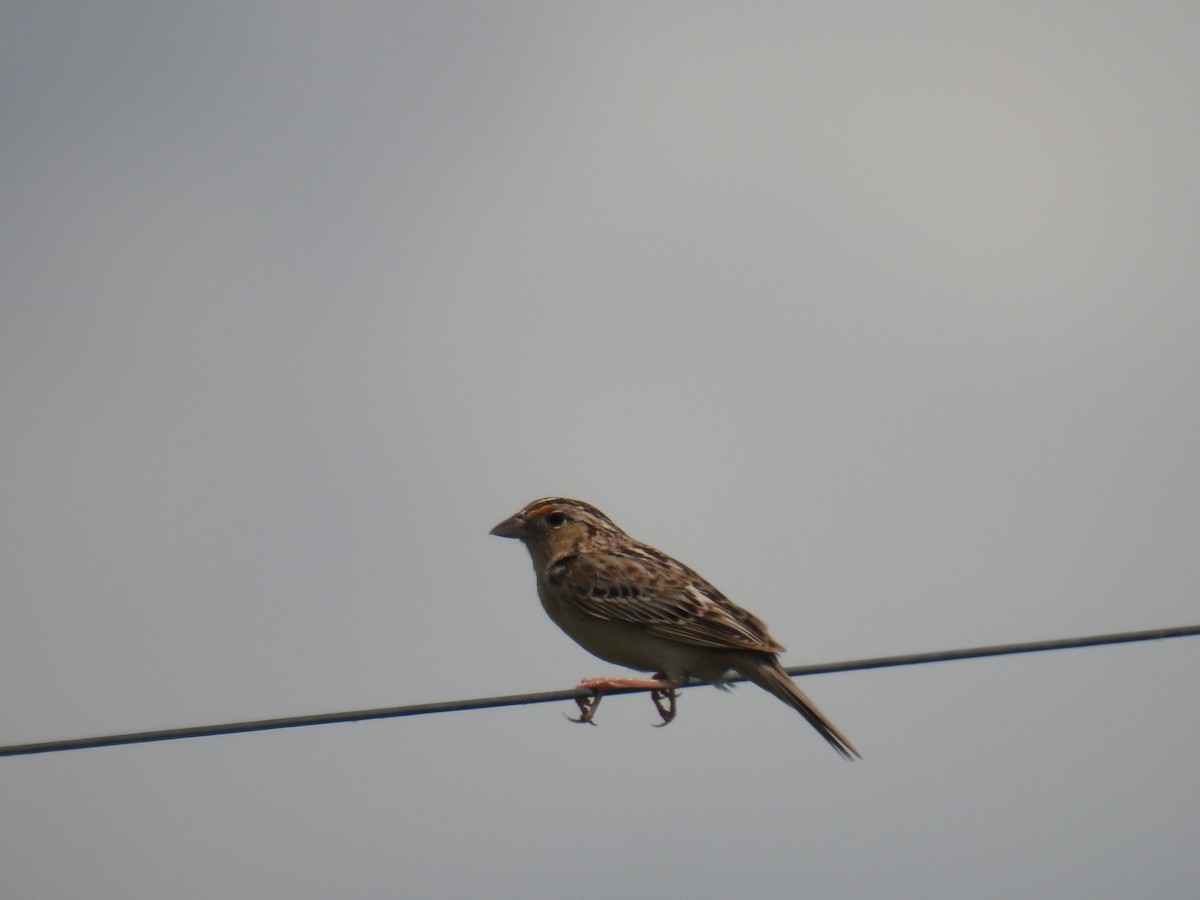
<point x="660" y="690"/>
<point x="587" y="708"/>
<point x="667" y="712"/>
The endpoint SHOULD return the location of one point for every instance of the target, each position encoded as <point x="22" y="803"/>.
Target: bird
<point x="630" y="604"/>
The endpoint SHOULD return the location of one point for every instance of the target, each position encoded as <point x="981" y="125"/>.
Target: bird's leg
<point x="659" y="687"/>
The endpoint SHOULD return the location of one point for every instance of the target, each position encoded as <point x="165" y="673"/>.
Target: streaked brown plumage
<point x="630" y="604"/>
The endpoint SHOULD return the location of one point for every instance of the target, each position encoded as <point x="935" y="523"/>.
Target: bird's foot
<point x="668" y="712"/>
<point x="660" y="690"/>
<point x="587" y="705"/>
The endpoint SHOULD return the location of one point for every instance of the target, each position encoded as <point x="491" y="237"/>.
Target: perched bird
<point x="630" y="604"/>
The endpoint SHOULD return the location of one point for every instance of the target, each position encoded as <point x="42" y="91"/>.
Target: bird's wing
<point x="640" y="586"/>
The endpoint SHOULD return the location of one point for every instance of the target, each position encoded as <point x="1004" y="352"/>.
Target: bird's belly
<point x="631" y="646"/>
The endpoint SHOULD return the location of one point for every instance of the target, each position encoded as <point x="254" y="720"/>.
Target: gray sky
<point x="882" y="316"/>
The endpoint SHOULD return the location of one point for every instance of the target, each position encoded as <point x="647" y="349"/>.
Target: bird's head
<point x="553" y="526"/>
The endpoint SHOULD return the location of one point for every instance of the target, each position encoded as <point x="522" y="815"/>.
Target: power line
<point x="420" y="709"/>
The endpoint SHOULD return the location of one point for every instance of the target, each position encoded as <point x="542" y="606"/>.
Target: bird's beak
<point x="514" y="527"/>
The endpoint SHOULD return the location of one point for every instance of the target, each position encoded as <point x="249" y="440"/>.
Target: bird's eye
<point x="556" y="519"/>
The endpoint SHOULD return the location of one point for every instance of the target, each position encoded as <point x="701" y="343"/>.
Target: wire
<point x="420" y="709"/>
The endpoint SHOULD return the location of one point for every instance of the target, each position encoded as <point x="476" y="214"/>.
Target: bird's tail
<point x="769" y="675"/>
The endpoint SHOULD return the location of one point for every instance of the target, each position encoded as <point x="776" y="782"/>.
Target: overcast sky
<point x="884" y="317"/>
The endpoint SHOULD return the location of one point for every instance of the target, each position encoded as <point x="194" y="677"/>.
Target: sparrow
<point x="630" y="604"/>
